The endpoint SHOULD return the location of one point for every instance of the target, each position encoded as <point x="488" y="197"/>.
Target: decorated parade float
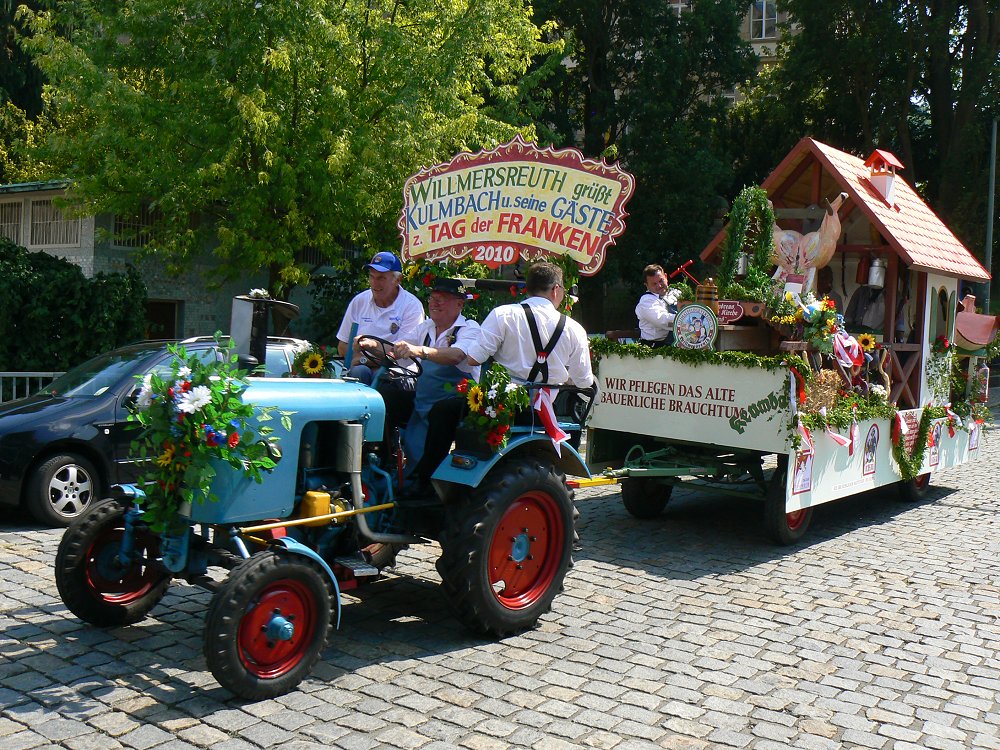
<point x="277" y="494"/>
<point x="876" y="378"/>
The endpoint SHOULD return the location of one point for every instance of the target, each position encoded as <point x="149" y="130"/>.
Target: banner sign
<point x="515" y="201"/>
<point x="721" y="405"/>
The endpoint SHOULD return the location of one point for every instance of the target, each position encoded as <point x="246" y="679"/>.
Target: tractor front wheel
<point x="95" y="583"/>
<point x="505" y="552"/>
<point x="267" y="625"/>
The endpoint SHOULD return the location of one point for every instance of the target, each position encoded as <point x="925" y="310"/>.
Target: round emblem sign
<point x="695" y="327"/>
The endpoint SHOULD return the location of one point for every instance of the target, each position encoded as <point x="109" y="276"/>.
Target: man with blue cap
<point x="385" y="310"/>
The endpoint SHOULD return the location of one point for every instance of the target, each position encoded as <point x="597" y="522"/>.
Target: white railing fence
<point x="20" y="384"/>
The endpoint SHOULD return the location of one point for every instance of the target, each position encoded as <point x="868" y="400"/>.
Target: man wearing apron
<point x="442" y="343"/>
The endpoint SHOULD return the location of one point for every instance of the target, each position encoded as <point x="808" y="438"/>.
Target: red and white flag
<point x="542" y="404"/>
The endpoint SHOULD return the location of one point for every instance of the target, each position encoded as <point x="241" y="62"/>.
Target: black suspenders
<point x="541" y="366"/>
<point x="453" y="337"/>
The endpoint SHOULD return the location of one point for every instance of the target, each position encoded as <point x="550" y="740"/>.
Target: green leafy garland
<point x="911" y="463"/>
<point x="695" y="357"/>
<point x="750" y="229"/>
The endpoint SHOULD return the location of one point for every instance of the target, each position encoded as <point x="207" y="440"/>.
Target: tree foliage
<point x="646" y="84"/>
<point x="274" y="131"/>
<point x="53" y="317"/>
<point x="919" y="78"/>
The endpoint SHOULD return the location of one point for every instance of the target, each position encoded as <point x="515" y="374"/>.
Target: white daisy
<point x="511" y="387"/>
<point x="184" y="373"/>
<point x="195" y="399"/>
<point x="145" y="397"/>
<point x="491" y="412"/>
<point x="492" y="393"/>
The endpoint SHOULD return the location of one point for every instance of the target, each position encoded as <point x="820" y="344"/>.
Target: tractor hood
<point x="320" y="400"/>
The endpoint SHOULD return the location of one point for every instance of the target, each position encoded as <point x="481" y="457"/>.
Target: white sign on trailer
<point x="727" y="406"/>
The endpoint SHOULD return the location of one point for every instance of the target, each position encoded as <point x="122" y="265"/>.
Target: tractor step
<point x="359" y="567"/>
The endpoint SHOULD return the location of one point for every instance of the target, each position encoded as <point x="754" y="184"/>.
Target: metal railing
<point x="15" y="385"/>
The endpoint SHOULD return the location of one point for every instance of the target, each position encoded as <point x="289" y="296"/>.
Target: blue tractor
<point x="327" y="518"/>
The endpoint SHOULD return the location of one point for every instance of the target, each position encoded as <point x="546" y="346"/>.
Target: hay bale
<point x="823" y="391"/>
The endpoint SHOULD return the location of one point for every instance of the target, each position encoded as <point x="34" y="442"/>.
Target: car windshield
<point x="96" y="375"/>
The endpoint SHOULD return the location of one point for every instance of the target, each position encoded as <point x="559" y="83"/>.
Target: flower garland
<point x="911" y="463"/>
<point x="191" y="420"/>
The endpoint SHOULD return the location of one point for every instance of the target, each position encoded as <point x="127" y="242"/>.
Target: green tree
<point x="919" y="78"/>
<point x="20" y="97"/>
<point x="646" y="84"/>
<point x="273" y="131"/>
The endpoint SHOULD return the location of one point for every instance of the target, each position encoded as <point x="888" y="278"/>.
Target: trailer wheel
<point x="914" y="490"/>
<point x="267" y="625"/>
<point x="505" y="552"/>
<point x="92" y="582"/>
<point x="784" y="528"/>
<point x="645" y="498"/>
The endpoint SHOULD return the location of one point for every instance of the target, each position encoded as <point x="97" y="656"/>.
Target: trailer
<point x="762" y="409"/>
<point x="730" y="427"/>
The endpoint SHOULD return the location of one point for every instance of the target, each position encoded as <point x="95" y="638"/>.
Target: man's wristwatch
<point x="363" y="360"/>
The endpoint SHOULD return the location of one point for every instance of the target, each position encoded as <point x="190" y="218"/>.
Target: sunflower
<point x="475" y="399"/>
<point x="867" y="341"/>
<point x="167" y="457"/>
<point x="313" y="364"/>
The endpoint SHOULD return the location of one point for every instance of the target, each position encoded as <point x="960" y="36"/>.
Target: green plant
<point x="494" y="402"/>
<point x="191" y="421"/>
<point x="750" y="230"/>
<point x="53" y="317"/>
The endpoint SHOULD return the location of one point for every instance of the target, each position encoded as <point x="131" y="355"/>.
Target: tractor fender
<point x="297" y="548"/>
<point x="470" y="471"/>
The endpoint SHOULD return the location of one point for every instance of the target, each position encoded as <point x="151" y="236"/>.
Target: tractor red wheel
<point x="505" y="552"/>
<point x="95" y="582"/>
<point x="523" y="556"/>
<point x="267" y="625"/>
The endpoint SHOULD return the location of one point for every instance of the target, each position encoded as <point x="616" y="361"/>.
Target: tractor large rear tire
<point x="505" y="552"/>
<point x="91" y="581"/>
<point x="267" y="625"/>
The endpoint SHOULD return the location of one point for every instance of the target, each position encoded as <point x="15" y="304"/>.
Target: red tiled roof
<point x="910" y="227"/>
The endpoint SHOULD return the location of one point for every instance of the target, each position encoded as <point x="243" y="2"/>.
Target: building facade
<point x="178" y="305"/>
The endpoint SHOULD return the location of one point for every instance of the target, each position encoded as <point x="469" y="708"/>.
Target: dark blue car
<point x="63" y="447"/>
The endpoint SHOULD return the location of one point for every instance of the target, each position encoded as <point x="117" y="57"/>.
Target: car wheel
<point x="61" y="488"/>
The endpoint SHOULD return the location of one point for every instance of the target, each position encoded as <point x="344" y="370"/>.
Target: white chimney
<point x="882" y="167"/>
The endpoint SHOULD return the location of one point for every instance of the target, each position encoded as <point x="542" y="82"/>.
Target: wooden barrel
<point x="707" y="294"/>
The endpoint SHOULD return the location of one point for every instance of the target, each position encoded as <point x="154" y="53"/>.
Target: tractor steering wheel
<point x="383" y="357"/>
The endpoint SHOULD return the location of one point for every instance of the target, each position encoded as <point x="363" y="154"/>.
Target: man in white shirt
<point x="656" y="309"/>
<point x="507" y="335"/>
<point x="557" y="353"/>
<point x="385" y="310"/>
<point x="441" y="343"/>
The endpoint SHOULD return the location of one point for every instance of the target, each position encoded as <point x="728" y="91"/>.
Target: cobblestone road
<point x="881" y="630"/>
